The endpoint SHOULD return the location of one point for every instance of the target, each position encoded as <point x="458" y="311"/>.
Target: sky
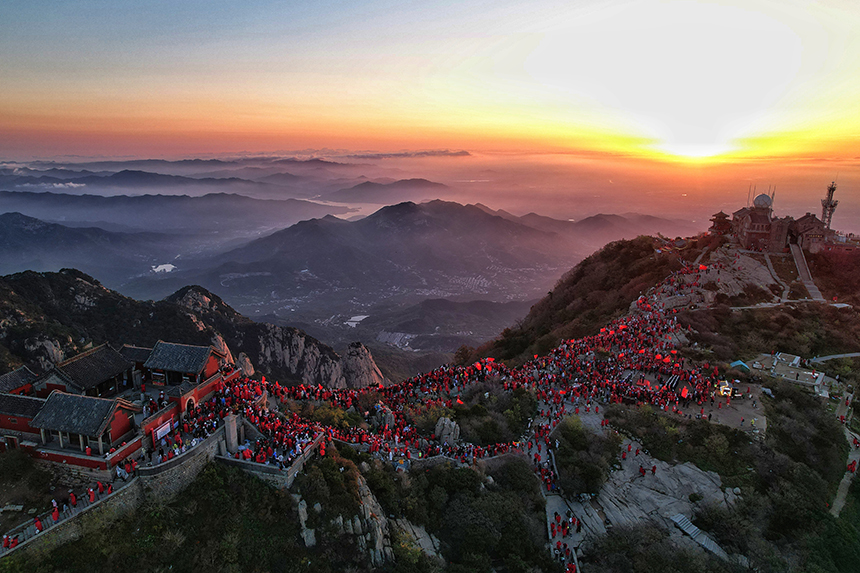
<point x="679" y="85"/>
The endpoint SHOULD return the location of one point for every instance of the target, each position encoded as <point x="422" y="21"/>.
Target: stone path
<point x="804" y="274"/>
<point x="845" y="484"/>
<point x="779" y="281"/>
<point x="27" y="530"/>
<point x="834" y="356"/>
<point x="629" y="498"/>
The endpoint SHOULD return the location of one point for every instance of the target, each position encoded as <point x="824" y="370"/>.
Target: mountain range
<point x="46" y="317"/>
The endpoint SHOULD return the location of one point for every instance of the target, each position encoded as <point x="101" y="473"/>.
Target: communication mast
<point x="828" y="205"/>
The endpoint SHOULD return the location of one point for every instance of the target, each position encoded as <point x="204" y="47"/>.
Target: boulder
<point x="447" y="431"/>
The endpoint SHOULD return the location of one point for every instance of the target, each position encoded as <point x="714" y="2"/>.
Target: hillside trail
<point x="629" y="497"/>
<point x="845" y="484"/>
<point x="835" y="356"/>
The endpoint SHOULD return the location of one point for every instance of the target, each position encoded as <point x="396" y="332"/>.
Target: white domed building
<point x="757" y="229"/>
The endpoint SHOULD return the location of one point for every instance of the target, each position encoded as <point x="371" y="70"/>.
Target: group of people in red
<point x="99" y="491"/>
<point x="642" y="367"/>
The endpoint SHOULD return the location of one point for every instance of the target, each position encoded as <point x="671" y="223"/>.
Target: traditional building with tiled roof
<point x="101" y="371"/>
<point x="18" y="381"/>
<point x="71" y="420"/>
<point x="16" y="415"/>
<point x="171" y="363"/>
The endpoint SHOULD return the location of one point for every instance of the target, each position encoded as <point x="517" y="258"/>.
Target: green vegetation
<point x="781" y="522"/>
<point x="22" y="482"/>
<point x="805" y="330"/>
<point x="481" y="523"/>
<point x="333" y="483"/>
<point x="785" y="268"/>
<point x="489" y="415"/>
<point x="837" y="275"/>
<point x="225" y="521"/>
<point x="712" y="447"/>
<point x="584" y="459"/>
<point x="325" y="414"/>
<point x="597" y="290"/>
<point x="646" y="549"/>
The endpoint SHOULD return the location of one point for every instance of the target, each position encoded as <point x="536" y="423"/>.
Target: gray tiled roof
<point x="21" y="406"/>
<point x="17" y="378"/>
<point x="178" y="357"/>
<point x="95" y="366"/>
<point x="75" y="414"/>
<point x="57" y="377"/>
<point x="135" y="353"/>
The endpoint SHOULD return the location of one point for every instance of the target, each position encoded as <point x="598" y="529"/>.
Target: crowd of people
<point x="632" y="360"/>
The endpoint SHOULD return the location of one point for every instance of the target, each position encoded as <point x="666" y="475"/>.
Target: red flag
<point x="684" y="392"/>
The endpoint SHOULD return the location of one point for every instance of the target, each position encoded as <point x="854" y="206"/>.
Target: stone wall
<point x="89" y="521"/>
<point x="271" y="474"/>
<point x="158" y="484"/>
<point x="164" y="481"/>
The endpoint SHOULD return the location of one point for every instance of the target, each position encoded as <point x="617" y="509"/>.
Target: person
<point x="653" y="470"/>
<point x="73" y="499"/>
<point x="38" y="524"/>
<point x="55" y="514"/>
<point x="14" y="542"/>
<point x="6" y="541"/>
<point x="110" y="488"/>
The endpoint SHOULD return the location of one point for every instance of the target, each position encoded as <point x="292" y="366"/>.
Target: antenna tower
<point x="828" y="205"/>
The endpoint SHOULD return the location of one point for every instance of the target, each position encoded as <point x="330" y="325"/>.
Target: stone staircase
<point x="804" y="274"/>
<point x="702" y="539"/>
<point x="698" y="535"/>
<point x="28" y="530"/>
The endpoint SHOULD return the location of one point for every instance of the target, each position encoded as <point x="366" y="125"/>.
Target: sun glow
<point x="655" y="79"/>
<point x="692" y="77"/>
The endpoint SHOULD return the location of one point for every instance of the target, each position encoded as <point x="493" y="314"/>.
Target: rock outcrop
<point x="308" y="534"/>
<point x="359" y="368"/>
<point x="373" y="528"/>
<point x="447" y="431"/>
<point x="311" y="362"/>
<point x="244" y="364"/>
<point x="45" y="351"/>
<point x="370" y="527"/>
<point x="85" y="312"/>
<point x="427" y="542"/>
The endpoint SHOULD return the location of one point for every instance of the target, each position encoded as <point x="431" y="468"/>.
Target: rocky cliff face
<point x="45" y="317"/>
<point x="312" y="362"/>
<point x="370" y="528"/>
<point x="359" y="368"/>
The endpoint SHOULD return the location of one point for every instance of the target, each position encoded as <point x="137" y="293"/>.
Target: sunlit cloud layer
<point x="668" y="80"/>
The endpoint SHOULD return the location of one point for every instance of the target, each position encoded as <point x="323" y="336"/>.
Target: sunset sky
<point x="667" y="81"/>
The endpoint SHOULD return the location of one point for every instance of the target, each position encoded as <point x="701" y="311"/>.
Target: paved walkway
<point x="785" y="288"/>
<point x="835" y="356"/>
<point x="845" y="484"/>
<point x="804" y="274"/>
<point x="27" y="530"/>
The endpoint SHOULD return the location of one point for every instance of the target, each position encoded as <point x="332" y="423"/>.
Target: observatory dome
<point x="763" y="201"/>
